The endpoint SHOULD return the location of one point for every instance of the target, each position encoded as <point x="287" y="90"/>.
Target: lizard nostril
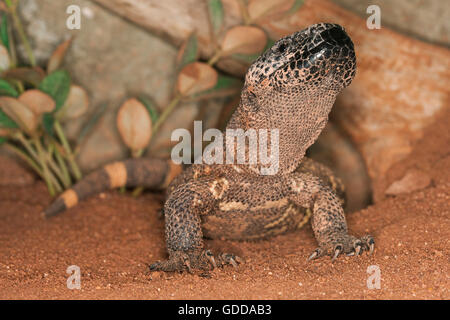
<point x="335" y="35"/>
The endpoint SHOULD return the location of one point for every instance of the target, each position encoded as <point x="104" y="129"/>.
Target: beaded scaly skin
<point x="291" y="87"/>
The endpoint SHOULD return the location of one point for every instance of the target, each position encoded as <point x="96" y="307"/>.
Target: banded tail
<point x="149" y="173"/>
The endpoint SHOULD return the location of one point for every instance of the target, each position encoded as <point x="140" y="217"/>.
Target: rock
<point x="427" y="20"/>
<point x="400" y="85"/>
<point x="429" y="155"/>
<point x="413" y="180"/>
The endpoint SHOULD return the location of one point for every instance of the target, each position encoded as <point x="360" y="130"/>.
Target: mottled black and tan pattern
<point x="154" y="173"/>
<point x="292" y="88"/>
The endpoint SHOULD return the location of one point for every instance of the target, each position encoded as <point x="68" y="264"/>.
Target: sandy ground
<point x="112" y="237"/>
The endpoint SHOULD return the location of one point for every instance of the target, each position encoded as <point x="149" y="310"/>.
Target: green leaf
<point x="269" y="44"/>
<point x="245" y="58"/>
<point x="57" y="57"/>
<point x="32" y="76"/>
<point x="151" y="108"/>
<point x="48" y="120"/>
<point x="225" y="86"/>
<point x="9" y="4"/>
<point x="90" y="124"/>
<point x="56" y="85"/>
<point x="297" y="4"/>
<point x="215" y="8"/>
<point x="7" y="122"/>
<point x="188" y="52"/>
<point x="252" y="57"/>
<point x="4" y="31"/>
<point x="7" y="90"/>
<point x="3" y="140"/>
<point x="226" y="82"/>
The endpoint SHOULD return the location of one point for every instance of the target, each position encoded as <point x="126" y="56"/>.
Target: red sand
<point x="112" y="238"/>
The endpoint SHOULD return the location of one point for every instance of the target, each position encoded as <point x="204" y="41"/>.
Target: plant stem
<point x="12" y="47"/>
<point x="58" y="170"/>
<point x="19" y="136"/>
<point x="137" y="191"/>
<point x="37" y="156"/>
<point x="69" y="154"/>
<point x="19" y="86"/>
<point x="32" y="164"/>
<point x="43" y="162"/>
<point x="53" y="166"/>
<point x="23" y="37"/>
<point x="29" y="148"/>
<point x="244" y="12"/>
<point x="26" y="158"/>
<point x="137" y="153"/>
<point x="215" y="57"/>
<point x="56" y="184"/>
<point x="62" y="165"/>
<point x="167" y="111"/>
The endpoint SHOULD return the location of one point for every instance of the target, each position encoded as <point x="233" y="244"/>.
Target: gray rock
<point x="425" y="20"/>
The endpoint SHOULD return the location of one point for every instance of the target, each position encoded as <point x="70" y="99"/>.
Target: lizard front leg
<point x="183" y="233"/>
<point x="328" y="219"/>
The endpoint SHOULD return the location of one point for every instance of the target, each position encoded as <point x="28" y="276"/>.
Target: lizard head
<point x="319" y="56"/>
<point x="293" y="85"/>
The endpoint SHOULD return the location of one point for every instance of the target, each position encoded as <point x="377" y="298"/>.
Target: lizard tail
<point x="149" y="173"/>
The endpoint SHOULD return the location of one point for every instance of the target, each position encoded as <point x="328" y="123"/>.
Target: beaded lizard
<point x="291" y="87"/>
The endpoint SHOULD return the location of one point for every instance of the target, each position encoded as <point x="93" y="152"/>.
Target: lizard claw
<point x="181" y="261"/>
<point x="196" y="260"/>
<point x="368" y="243"/>
<point x="188" y="265"/>
<point x="316" y="254"/>
<point x="371" y="244"/>
<point x="211" y="259"/>
<point x="347" y="244"/>
<point x="337" y="251"/>
<point x="358" y="247"/>
<point x="228" y="258"/>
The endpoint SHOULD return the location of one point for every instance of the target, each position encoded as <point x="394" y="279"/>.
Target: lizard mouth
<point x="335" y="36"/>
<point x="324" y="46"/>
<point x="332" y="50"/>
<point x="331" y="40"/>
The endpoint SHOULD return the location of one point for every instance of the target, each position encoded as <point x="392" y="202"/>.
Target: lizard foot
<point x="228" y="258"/>
<point x="196" y="260"/>
<point x="347" y="244"/>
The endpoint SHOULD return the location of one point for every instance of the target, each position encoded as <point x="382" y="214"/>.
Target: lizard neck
<point x="288" y="134"/>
